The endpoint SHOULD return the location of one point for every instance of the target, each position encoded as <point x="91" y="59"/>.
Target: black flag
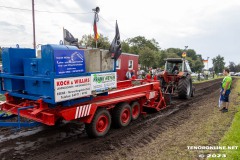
<point x="115" y="47"/>
<point x="68" y="37"/>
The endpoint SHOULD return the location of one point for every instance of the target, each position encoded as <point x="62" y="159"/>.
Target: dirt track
<point x="146" y="138"/>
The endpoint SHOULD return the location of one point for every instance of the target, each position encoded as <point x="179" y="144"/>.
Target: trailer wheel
<point x="135" y="108"/>
<point x="122" y="115"/>
<point x="100" y="124"/>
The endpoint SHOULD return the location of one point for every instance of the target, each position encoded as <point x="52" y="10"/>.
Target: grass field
<point x="232" y="136"/>
<point x="210" y="79"/>
<point x="2" y="97"/>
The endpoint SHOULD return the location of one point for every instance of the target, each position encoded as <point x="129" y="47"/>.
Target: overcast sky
<point x="211" y="27"/>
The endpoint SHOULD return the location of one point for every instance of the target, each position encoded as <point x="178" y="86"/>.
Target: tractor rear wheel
<point x="122" y="115"/>
<point x="100" y="124"/>
<point x="185" y="87"/>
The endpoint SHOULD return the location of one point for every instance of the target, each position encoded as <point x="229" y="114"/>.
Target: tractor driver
<point x="175" y="68"/>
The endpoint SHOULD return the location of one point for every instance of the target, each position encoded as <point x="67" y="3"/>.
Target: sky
<point x="210" y="27"/>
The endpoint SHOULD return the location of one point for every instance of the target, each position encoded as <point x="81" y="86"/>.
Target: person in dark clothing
<point x="133" y="76"/>
<point x="175" y="68"/>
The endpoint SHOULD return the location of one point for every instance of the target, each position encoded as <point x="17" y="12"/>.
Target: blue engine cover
<point x="62" y="59"/>
<point x="12" y="59"/>
<point x="56" y="60"/>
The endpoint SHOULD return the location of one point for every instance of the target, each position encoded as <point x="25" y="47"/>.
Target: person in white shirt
<point x="128" y="74"/>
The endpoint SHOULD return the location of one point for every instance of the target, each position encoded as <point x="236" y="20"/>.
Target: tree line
<point x="219" y="64"/>
<point x="149" y="51"/>
<point x="151" y="55"/>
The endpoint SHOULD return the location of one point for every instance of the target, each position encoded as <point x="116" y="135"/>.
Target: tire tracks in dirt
<point x="70" y="141"/>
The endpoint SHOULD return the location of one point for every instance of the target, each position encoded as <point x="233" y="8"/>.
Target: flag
<point x="115" y="47"/>
<point x="184" y="54"/>
<point x="205" y="61"/>
<point x="96" y="35"/>
<point x="68" y="37"/>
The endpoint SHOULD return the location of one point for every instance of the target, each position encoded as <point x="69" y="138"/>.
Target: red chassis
<point x="147" y="94"/>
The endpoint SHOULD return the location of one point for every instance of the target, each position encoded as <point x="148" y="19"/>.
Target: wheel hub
<point x="102" y="123"/>
<point x="125" y="116"/>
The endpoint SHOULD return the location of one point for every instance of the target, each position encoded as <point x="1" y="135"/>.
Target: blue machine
<point x="26" y="76"/>
<point x="13" y="64"/>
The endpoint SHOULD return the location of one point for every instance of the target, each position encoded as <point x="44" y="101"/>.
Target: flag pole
<point x="96" y="11"/>
<point x="33" y="20"/>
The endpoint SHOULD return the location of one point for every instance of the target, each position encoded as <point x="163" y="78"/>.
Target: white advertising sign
<point x="71" y="88"/>
<point x="103" y="82"/>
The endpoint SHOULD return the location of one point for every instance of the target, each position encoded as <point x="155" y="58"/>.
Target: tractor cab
<point x="176" y="78"/>
<point x="176" y="65"/>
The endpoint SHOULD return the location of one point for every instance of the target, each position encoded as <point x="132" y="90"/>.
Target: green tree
<point x="172" y="55"/>
<point x="218" y="64"/>
<point x="177" y="51"/>
<point x="237" y="68"/>
<point x="160" y="58"/>
<point x="198" y="66"/>
<point x="195" y="60"/>
<point x="125" y="47"/>
<point x="191" y="63"/>
<point x="199" y="56"/>
<point x="140" y="42"/>
<point x="88" y="41"/>
<point x="232" y="66"/>
<point x="191" y="53"/>
<point x="146" y="57"/>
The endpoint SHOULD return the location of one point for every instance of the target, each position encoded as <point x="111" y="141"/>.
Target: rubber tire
<point x="183" y="87"/>
<point x="132" y="105"/>
<point x="91" y="127"/>
<point x="117" y="111"/>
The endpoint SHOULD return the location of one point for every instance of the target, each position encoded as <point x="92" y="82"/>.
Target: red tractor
<point x="176" y="78"/>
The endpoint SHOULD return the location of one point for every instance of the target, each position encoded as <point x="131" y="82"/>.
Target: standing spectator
<point x="148" y="76"/>
<point x="225" y="90"/>
<point x="143" y="74"/>
<point x="199" y="77"/>
<point x="153" y="72"/>
<point x="128" y="74"/>
<point x="133" y="76"/>
<point x="150" y="71"/>
<point x="139" y="74"/>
